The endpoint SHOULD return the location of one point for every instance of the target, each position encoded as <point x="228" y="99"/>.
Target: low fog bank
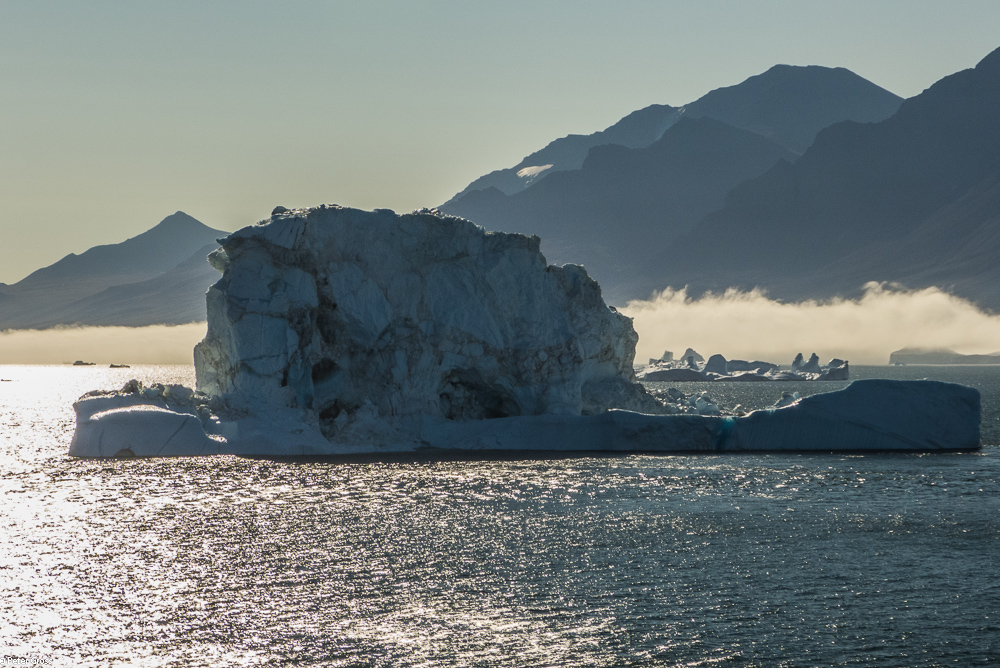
<point x="741" y="325"/>
<point x="751" y="326"/>
<point x="155" y="344"/>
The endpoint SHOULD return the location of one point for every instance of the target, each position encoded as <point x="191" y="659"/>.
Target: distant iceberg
<point x="337" y="331"/>
<point x="939" y="356"/>
<point x="718" y="368"/>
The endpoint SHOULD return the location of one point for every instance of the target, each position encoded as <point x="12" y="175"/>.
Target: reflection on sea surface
<point x="765" y="560"/>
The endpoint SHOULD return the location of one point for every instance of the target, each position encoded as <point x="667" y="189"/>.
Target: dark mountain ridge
<point x="622" y="204"/>
<point x="639" y="128"/>
<point x="630" y="199"/>
<point x="788" y="104"/>
<point x="168" y="260"/>
<point x="898" y="200"/>
<point x="175" y="297"/>
<point x="154" y="251"/>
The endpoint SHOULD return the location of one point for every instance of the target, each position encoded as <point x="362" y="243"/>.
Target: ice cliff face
<point x="373" y="318"/>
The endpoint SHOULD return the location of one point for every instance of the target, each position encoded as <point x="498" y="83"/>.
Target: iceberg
<point x="868" y="415"/>
<point x="718" y="368"/>
<point x="334" y="331"/>
<point x="360" y="315"/>
<point x="717" y="364"/>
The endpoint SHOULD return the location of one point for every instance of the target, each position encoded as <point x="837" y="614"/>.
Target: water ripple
<point x="769" y="560"/>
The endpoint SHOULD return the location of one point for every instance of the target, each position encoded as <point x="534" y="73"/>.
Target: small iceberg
<point x="718" y="368"/>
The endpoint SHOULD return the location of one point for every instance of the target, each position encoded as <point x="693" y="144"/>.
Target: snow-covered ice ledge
<point x="867" y="415"/>
<point x="337" y="331"/>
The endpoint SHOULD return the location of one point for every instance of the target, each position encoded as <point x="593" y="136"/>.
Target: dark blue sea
<point x="728" y="560"/>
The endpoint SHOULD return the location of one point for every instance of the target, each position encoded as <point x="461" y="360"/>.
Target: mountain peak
<point x="176" y="228"/>
<point x="179" y="219"/>
<point x="786" y="68"/>
<point x="154" y="251"/>
<point x="791" y="103"/>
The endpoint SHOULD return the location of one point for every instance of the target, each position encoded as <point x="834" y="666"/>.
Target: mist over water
<point x="737" y="324"/>
<point x="751" y="325"/>
<point x="155" y="344"/>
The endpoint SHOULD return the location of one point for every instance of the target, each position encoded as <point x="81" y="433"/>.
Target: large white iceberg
<point x="338" y="331"/>
<point x="351" y="314"/>
<point x="868" y="415"/>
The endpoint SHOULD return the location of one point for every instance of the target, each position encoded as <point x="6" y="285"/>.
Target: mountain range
<point x="614" y="199"/>
<point x="806" y="181"/>
<point x="913" y="199"/>
<point x="157" y="277"/>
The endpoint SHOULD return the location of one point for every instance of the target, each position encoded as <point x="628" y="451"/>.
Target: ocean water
<point x="762" y="560"/>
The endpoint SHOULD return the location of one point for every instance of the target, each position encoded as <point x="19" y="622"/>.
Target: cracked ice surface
<point x="370" y="324"/>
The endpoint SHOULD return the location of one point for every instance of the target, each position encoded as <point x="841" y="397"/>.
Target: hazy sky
<point x="116" y="114"/>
